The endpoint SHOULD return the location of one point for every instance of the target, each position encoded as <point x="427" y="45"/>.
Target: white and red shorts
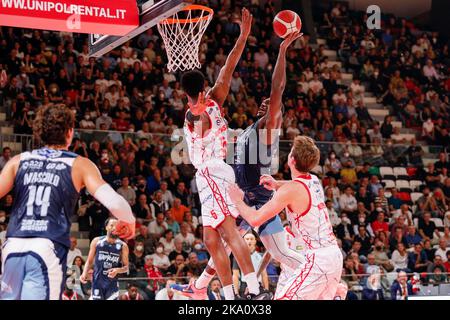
<point x="213" y="180"/>
<point x="317" y="279"/>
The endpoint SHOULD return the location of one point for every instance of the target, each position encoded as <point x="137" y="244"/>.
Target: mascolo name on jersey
<point x="41" y="178"/>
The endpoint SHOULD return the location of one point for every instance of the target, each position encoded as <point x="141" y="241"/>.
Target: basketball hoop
<point x="182" y="34"/>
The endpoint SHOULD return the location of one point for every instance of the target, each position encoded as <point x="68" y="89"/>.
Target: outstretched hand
<point x="200" y="106"/>
<point x="246" y="22"/>
<point x="290" y="39"/>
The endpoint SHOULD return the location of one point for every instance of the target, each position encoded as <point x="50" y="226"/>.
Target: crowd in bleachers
<point x="389" y="209"/>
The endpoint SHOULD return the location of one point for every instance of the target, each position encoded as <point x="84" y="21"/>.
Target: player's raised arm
<point x="8" y="175"/>
<point x="89" y="261"/>
<point x="222" y="87"/>
<point x="91" y="178"/>
<point x="274" y="115"/>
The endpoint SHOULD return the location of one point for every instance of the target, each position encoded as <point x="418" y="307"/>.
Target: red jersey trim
<point x="191" y="128"/>
<point x="304" y="176"/>
<point x="310" y="200"/>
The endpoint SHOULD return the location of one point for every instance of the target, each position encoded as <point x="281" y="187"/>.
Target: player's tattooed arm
<point x="90" y="261"/>
<point x="222" y="87"/>
<point x="112" y="273"/>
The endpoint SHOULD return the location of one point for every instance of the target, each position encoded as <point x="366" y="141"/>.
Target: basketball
<point x="286" y="22"/>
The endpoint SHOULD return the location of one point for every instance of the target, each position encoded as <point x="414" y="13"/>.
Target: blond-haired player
<point x="304" y="200"/>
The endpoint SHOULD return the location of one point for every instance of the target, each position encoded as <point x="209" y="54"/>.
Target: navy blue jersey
<point x="107" y="256"/>
<point x="45" y="197"/>
<point x="252" y="159"/>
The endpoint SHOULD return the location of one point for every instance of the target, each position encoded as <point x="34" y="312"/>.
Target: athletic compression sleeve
<point x="115" y="203"/>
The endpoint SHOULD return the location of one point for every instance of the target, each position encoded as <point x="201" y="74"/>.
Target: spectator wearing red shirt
<point x="380" y="225"/>
<point x="447" y="263"/>
<point x="121" y="123"/>
<point x="154" y="276"/>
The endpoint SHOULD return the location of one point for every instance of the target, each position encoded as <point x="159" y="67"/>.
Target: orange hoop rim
<point x="192" y="20"/>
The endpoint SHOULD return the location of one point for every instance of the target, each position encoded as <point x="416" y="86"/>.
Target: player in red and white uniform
<point x="304" y="200"/>
<point x="213" y="175"/>
<point x="206" y="133"/>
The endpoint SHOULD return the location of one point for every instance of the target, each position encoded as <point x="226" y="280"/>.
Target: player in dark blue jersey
<point x="46" y="184"/>
<point x="255" y="149"/>
<point x="109" y="257"/>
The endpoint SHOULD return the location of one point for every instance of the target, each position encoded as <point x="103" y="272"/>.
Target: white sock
<point x="228" y="292"/>
<point x="252" y="283"/>
<point x="204" y="280"/>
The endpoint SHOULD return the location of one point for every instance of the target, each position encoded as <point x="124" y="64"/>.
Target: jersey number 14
<point x="38" y="196"/>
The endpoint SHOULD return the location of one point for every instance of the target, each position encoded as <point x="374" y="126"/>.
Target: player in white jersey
<point x="205" y="131"/>
<point x="304" y="200"/>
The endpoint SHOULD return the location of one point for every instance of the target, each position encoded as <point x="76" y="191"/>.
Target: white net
<point x="182" y="37"/>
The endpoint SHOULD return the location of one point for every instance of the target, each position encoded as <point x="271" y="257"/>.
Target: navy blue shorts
<point x="257" y="199"/>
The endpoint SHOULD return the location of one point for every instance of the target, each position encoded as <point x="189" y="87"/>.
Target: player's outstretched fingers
<point x="267" y="181"/>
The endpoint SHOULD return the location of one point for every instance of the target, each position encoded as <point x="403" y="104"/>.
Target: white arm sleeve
<point x="115" y="203"/>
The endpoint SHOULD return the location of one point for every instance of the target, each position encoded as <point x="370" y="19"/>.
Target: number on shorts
<point x="39" y="196"/>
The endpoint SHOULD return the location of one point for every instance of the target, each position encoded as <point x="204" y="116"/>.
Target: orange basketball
<point x="286" y="22"/>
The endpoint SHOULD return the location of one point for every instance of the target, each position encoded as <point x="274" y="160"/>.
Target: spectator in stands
<point x="344" y="231"/>
<point x="137" y="256"/>
<point x="397" y="236"/>
<point x="178" y="250"/>
<point x="332" y="214"/>
<point x="429" y="250"/>
<point x="154" y="276"/>
<point x="417" y="259"/>
<point x="365" y="240"/>
<point x="178" y="210"/>
<point x="168" y="242"/>
<point x="332" y="166"/>
<point x="157" y="227"/>
<point x="142" y="210"/>
<point x="167" y="196"/>
<point x="412" y="237"/>
<point x="127" y="191"/>
<point x="442" y="250"/>
<point x="401" y="289"/>
<point x="375" y="185"/>
<point x="380" y="224"/>
<point x="160" y="259"/>
<point x="178" y="268"/>
<point x="427" y="229"/>
<point x="394" y="201"/>
<point x="171" y="223"/>
<point x="73" y="251"/>
<point x="399" y="258"/>
<point x="6" y="155"/>
<point x="405" y="213"/>
<point x="194" y="266"/>
<point x="347" y="202"/>
<point x="186" y="237"/>
<point x="381" y="257"/>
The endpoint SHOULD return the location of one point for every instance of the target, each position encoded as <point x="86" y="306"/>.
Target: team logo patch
<point x="118" y="246"/>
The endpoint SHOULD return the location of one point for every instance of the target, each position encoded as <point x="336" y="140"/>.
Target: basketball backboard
<point x="150" y="12"/>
